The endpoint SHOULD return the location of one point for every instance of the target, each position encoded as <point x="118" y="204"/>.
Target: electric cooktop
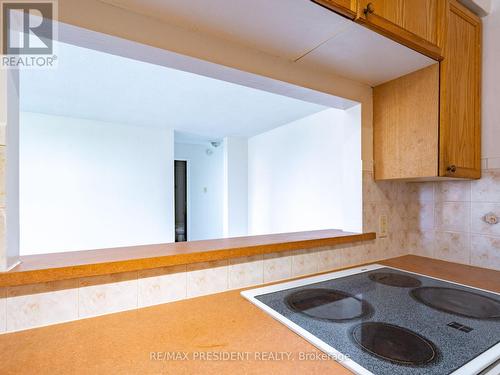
<point x="381" y="320"/>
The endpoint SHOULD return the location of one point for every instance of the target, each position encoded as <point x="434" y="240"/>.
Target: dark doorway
<point x="180" y="178"/>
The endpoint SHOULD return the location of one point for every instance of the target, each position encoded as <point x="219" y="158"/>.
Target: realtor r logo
<point x="28" y="33"/>
<point x="27" y="28"/>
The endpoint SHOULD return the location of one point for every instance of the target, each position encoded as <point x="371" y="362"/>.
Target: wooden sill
<point x="70" y="265"/>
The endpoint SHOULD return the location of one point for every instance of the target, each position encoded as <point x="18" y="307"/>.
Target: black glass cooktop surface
<point x="394" y="343"/>
<point x="328" y="304"/>
<point x="394" y="279"/>
<point x="397" y="332"/>
<point x="460" y="302"/>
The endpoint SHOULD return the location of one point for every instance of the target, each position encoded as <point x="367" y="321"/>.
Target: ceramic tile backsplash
<point x="107" y="294"/>
<point x="2" y="176"/>
<point x="207" y="278"/>
<point x="485" y="251"/>
<point x="424" y="218"/>
<point x="161" y="285"/>
<point x="36" y="305"/>
<point x="304" y="262"/>
<point x="459" y="233"/>
<point x="3" y="309"/>
<point x="452" y="216"/>
<point x="246" y="271"/>
<point x="277" y="266"/>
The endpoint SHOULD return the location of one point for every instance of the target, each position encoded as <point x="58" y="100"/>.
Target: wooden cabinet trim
<point x="346" y="8"/>
<point x="397" y="33"/>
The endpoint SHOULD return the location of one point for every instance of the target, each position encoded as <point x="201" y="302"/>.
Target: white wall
<point x="296" y="174"/>
<point x="491" y="84"/>
<point x="236" y="186"/>
<point x="88" y="184"/>
<point x="205" y="207"/>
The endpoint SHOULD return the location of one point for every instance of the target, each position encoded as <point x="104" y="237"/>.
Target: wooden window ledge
<point x="69" y="265"/>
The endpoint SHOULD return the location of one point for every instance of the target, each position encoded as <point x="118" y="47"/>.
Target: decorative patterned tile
<point x="453" y="247"/>
<point x="421" y="243"/>
<point x="478" y="225"/>
<point x="388" y="191"/>
<point x="162" y="285"/>
<point x="2" y="176"/>
<point x="304" y="262"/>
<point x="370" y="190"/>
<point x="486" y="189"/>
<point x="277" y="266"/>
<point x="485" y="252"/>
<point x="246" y="271"/>
<point x="370" y="252"/>
<point x="453" y="191"/>
<point x="107" y="294"/>
<point x="421" y="192"/>
<point x="370" y="217"/>
<point x="493" y="163"/>
<point x="36" y="305"/>
<point x="329" y="259"/>
<point x="419" y="216"/>
<point x="3" y="309"/>
<point x="207" y="278"/>
<point x="453" y="216"/>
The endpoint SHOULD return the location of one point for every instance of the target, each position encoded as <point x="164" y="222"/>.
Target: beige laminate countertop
<point x="122" y="343"/>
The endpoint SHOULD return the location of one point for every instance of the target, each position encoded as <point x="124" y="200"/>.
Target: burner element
<point x="459" y="302"/>
<point x="395" y="344"/>
<point x="395" y="279"/>
<point x="328" y="304"/>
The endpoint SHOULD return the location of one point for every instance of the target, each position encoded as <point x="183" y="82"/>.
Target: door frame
<point x="188" y="196"/>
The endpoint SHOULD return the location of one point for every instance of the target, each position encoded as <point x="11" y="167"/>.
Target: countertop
<point x="124" y="343"/>
<point x="74" y="264"/>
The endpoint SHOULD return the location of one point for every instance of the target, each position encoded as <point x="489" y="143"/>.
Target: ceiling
<point x="296" y="30"/>
<point x="94" y="85"/>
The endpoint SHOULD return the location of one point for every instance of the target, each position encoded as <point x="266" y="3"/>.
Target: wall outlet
<point x="382" y="226"/>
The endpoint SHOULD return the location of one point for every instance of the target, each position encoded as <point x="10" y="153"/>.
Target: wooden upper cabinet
<point x="460" y="113"/>
<point x="405" y="126"/>
<point x="427" y="124"/>
<point x="418" y="24"/>
<point x="347" y="8"/>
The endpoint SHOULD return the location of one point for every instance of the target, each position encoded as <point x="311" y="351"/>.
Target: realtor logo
<point x="28" y="32"/>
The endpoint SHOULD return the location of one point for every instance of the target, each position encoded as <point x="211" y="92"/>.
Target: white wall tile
<point x="329" y="259"/>
<point x="277" y="266"/>
<point x="2" y="176"/>
<point x="453" y="216"/>
<point x="304" y="262"/>
<point x="421" y="192"/>
<point x="3" y="309"/>
<point x="493" y="163"/>
<point x="246" y="271"/>
<point x="453" y="247"/>
<point x="486" y="189"/>
<point x="161" y="285"/>
<point x="107" y="294"/>
<point x="452" y="191"/>
<point x="36" y="305"/>
<point x="485" y="252"/>
<point x="207" y="278"/>
<point x="478" y="225"/>
<point x="422" y="242"/>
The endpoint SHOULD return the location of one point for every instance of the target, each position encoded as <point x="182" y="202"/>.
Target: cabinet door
<point x="405" y="126"/>
<point x="347" y="8"/>
<point x="460" y="118"/>
<point x="418" y="24"/>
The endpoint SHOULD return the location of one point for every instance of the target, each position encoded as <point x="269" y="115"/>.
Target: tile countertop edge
<point x="69" y="265"/>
